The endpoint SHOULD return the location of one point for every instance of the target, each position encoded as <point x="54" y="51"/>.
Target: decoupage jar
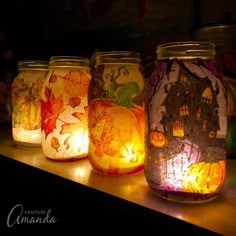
<point x="224" y="37"/>
<point x="25" y="103"/>
<point x="116" y="114"/>
<point x="186" y="123"/>
<point x="64" y="108"/>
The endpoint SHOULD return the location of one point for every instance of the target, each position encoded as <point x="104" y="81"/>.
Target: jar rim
<point x="186" y="49"/>
<point x="32" y="64"/>
<point x="216" y="28"/>
<point x="52" y="58"/>
<point x="68" y="61"/>
<point x="118" y="53"/>
<point x="111" y="57"/>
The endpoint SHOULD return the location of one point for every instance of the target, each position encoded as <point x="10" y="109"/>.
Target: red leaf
<point x="50" y="110"/>
<point x="53" y="79"/>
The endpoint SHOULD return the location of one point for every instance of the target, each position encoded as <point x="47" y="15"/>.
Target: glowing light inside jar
<point x="185" y="172"/>
<point x="130" y="153"/>
<point x="64" y="146"/>
<point x="186" y="125"/>
<point x="79" y="142"/>
<point x="27" y="136"/>
<point x="64" y="112"/>
<point x="175" y="166"/>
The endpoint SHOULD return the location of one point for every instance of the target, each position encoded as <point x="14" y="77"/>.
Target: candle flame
<point x="129" y="152"/>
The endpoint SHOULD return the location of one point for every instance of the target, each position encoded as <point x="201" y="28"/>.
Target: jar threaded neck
<point x="186" y="50"/>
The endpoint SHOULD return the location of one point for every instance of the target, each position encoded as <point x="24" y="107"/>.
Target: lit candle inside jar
<point x="116" y="114"/>
<point x="116" y="138"/>
<point x="27" y="136"/>
<point x="186" y="123"/>
<point x="79" y="141"/>
<point x="25" y="101"/>
<point x="130" y="152"/>
<point x="64" y="109"/>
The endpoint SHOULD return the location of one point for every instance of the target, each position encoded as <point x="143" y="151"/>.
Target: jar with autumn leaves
<point x="25" y="103"/>
<point x="116" y="114"/>
<point x="186" y="123"/>
<point x="64" y="108"/>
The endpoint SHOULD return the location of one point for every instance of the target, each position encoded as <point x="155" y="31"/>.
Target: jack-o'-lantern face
<point x="158" y="139"/>
<point x="204" y="177"/>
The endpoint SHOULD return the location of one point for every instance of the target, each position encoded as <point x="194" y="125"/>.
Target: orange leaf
<point x="83" y="117"/>
<point x="73" y="128"/>
<point x="76" y="83"/>
<point x="55" y="143"/>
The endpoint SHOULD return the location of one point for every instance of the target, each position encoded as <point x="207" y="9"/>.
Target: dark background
<point x="39" y="29"/>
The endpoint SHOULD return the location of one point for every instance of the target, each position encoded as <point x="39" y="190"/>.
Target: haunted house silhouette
<point x="191" y="109"/>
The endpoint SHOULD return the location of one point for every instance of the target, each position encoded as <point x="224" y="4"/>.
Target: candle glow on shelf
<point x="186" y="124"/>
<point x="26" y="93"/>
<point x="116" y="114"/>
<point x="64" y="108"/>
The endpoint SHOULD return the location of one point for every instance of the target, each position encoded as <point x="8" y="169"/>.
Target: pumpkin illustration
<point x="30" y="115"/>
<point x="158" y="139"/>
<point x="116" y="137"/>
<point x="204" y="177"/>
<point x="27" y="113"/>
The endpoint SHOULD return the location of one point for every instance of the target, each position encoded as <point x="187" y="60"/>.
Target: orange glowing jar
<point x="116" y="114"/>
<point x="25" y="103"/>
<point x="64" y="108"/>
<point x="186" y="123"/>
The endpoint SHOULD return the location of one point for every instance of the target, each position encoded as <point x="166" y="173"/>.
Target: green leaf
<point x="125" y="93"/>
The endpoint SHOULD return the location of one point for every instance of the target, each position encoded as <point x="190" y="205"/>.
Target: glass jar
<point x="186" y="123"/>
<point x="25" y="103"/>
<point x="116" y="114"/>
<point x="64" y="108"/>
<point x="224" y="36"/>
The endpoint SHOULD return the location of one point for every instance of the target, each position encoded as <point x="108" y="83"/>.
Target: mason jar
<point x="116" y="114"/>
<point x="25" y="103"/>
<point x="224" y="36"/>
<point x="64" y="108"/>
<point x="186" y="123"/>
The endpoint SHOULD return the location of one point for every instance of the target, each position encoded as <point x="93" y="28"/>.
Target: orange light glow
<point x="64" y="110"/>
<point x="21" y="135"/>
<point x="116" y="140"/>
<point x="130" y="152"/>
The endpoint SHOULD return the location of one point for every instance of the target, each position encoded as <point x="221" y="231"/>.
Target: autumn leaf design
<point x="74" y="102"/>
<point x="76" y="83"/>
<point x="55" y="143"/>
<point x="82" y="116"/>
<point x="51" y="109"/>
<point x="53" y="79"/>
<point x="73" y="128"/>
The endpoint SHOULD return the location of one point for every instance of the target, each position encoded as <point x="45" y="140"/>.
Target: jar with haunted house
<point x="116" y="114"/>
<point x="186" y="123"/>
